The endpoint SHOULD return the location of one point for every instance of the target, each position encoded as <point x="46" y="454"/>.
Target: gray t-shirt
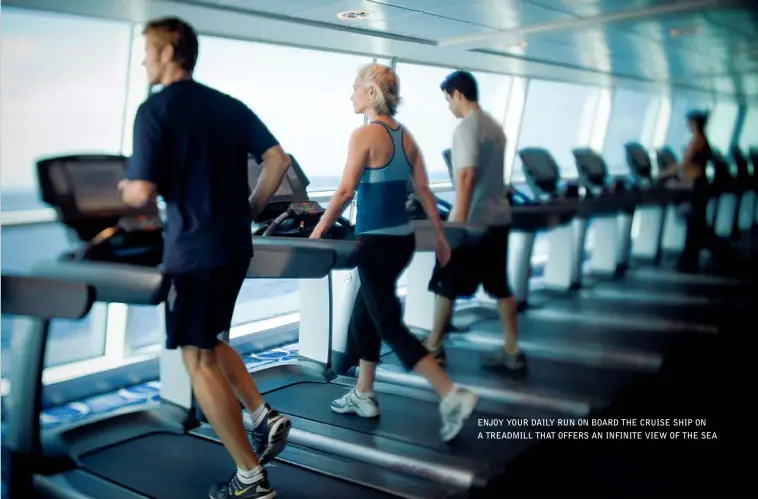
<point x="479" y="142"/>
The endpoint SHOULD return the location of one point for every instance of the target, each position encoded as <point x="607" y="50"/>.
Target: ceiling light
<point x="355" y="15"/>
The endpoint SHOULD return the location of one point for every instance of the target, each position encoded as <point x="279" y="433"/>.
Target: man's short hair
<point x="462" y="81"/>
<point x="180" y="35"/>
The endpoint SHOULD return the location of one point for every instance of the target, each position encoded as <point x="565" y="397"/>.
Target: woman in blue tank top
<point x="382" y="156"/>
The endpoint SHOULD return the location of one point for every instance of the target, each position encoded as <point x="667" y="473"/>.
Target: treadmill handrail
<point x="298" y="258"/>
<point x="57" y="299"/>
<point x="536" y="217"/>
<point x="456" y="233"/>
<point x="45" y="298"/>
<point x="113" y="282"/>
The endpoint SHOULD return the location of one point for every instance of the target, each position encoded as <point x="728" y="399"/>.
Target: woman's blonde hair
<point x="386" y="87"/>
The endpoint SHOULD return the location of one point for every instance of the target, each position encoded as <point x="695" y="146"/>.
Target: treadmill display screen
<point x="95" y="186"/>
<point x="255" y="172"/>
<point x="593" y="166"/>
<point x="541" y="169"/>
<point x="639" y="158"/>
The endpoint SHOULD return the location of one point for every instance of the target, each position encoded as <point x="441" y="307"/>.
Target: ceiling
<point x="704" y="45"/>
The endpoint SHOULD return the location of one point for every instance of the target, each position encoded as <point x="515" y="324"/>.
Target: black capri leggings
<point x="376" y="313"/>
<point x="699" y="234"/>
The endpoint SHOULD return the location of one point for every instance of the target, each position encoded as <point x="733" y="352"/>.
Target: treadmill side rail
<point x="78" y="484"/>
<point x="425" y="237"/>
<point x="45" y="298"/>
<point x="289" y="258"/>
<point x="113" y="282"/>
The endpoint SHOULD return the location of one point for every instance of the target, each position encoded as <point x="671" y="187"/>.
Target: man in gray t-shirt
<point x="478" y="163"/>
<point x="478" y="157"/>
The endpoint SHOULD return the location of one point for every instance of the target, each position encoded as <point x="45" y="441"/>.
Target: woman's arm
<point x="357" y="157"/>
<point x="689" y="154"/>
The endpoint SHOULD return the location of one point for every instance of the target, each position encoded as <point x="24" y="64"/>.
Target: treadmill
<point x="594" y="176"/>
<point x="729" y="193"/>
<point x="639" y="308"/>
<point x="41" y="300"/>
<point x="161" y="451"/>
<point x="584" y="320"/>
<point x="753" y="156"/>
<point x="745" y="219"/>
<point x="664" y="236"/>
<point x="405" y="439"/>
<point x="564" y="369"/>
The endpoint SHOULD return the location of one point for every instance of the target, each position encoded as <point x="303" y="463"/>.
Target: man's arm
<point x="140" y="186"/>
<point x="357" y="157"/>
<point x="465" y="156"/>
<point x="275" y="162"/>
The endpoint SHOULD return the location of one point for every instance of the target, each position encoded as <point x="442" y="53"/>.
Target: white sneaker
<point x="351" y="402"/>
<point x="455" y="409"/>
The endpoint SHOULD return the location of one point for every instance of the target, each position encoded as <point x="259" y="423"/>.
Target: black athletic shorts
<point x="200" y="305"/>
<point x="482" y="263"/>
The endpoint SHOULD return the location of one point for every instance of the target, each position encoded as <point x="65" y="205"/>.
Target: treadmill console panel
<point x="721" y="177"/>
<point x="591" y="167"/>
<point x="293" y="189"/>
<point x="639" y="161"/>
<point x="83" y="190"/>
<point x="665" y="158"/>
<point x="85" y="187"/>
<point x="541" y="170"/>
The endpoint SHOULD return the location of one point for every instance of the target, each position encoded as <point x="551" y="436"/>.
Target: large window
<point x="678" y="134"/>
<point x="63" y="87"/>
<point x="70" y="341"/>
<point x="749" y="132"/>
<point x="557" y="117"/>
<point x="56" y="102"/>
<point x="303" y="96"/>
<point x="425" y="112"/>
<point x="629" y="114"/>
<point x="722" y="124"/>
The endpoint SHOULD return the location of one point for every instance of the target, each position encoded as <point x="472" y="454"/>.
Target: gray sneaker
<point x="500" y="358"/>
<point x="352" y="403"/>
<point x="455" y="409"/>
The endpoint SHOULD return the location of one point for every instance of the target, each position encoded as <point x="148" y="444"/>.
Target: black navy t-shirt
<point x="193" y="142"/>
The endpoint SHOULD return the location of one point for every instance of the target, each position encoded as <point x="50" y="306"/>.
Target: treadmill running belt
<point x="572" y="379"/>
<point x="697" y="315"/>
<point x="533" y="329"/>
<point x="689" y="289"/>
<point x="409" y="420"/>
<point x="167" y="466"/>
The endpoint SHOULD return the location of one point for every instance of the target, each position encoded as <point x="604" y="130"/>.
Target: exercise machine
<point x="164" y="451"/>
<point x="662" y="229"/>
<point x="745" y="220"/>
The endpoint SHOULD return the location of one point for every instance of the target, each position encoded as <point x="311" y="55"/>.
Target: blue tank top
<point x="382" y="193"/>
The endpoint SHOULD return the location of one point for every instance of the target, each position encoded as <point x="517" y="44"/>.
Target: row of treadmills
<point x="610" y="311"/>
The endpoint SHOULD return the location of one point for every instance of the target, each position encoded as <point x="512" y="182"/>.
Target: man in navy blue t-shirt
<point x="191" y="146"/>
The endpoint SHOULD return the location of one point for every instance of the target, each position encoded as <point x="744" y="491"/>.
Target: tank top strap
<point x="396" y="134"/>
